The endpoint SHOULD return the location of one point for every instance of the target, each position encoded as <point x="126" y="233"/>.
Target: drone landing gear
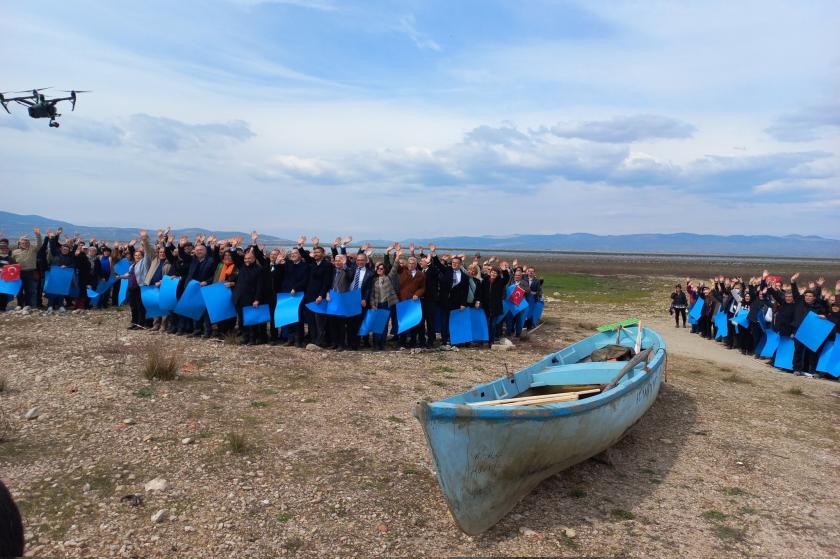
<point x="53" y="124"/>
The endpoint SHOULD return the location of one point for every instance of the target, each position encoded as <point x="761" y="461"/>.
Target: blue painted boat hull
<point x="488" y="458"/>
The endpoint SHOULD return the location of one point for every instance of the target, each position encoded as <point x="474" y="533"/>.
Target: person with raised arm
<point x="317" y="286"/>
<point x="26" y="254"/>
<point x="363" y="276"/>
<point x="384" y="293"/>
<point x="412" y="286"/>
<point x="249" y="286"/>
<point x="295" y="280"/>
<point x="200" y="267"/>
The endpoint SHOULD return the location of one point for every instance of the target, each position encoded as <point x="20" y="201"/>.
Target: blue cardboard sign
<point x="697" y="310"/>
<point x="10" y="288"/>
<point x="252" y="316"/>
<point x="191" y="304"/>
<point x="217" y="299"/>
<point x="319" y="308"/>
<point x="460" y="327"/>
<point x="168" y="292"/>
<point x="825" y="357"/>
<point x="122" y="266"/>
<point x="58" y="280"/>
<point x="347" y="303"/>
<point x="409" y="314"/>
<point x="722" y="325"/>
<point x="784" y="354"/>
<point x="813" y="331"/>
<point x="375" y="322"/>
<point x="287" y="310"/>
<point x="150" y="296"/>
<point x="478" y="325"/>
<point x="123" y="293"/>
<point x="771" y="343"/>
<point x="741" y="318"/>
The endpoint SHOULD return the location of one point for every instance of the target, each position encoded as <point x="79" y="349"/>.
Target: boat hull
<point x="489" y="458"/>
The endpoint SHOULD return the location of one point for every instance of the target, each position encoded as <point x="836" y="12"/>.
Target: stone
<point x="86" y="488"/>
<point x="501" y="347"/>
<point x="186" y="440"/>
<point x="128" y="421"/>
<point x="527" y="532"/>
<point x="312" y="347"/>
<point x="569" y="533"/>
<point x="157" y="484"/>
<point x="34" y="413"/>
<point x="160" y="516"/>
<point x="505" y="341"/>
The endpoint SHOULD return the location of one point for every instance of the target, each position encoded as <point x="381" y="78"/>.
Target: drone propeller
<point x="73" y="96"/>
<point x="31" y="90"/>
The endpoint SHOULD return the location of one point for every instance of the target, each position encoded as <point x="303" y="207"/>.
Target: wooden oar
<point x="531" y="399"/>
<point x="642" y="356"/>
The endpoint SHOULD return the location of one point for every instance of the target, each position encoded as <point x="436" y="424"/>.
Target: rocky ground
<point x="267" y="451"/>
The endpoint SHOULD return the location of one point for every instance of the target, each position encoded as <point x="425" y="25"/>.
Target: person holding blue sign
<point x="412" y="284"/>
<point x="535" y="294"/>
<point x="384" y="296"/>
<point x="246" y="292"/>
<point x="140" y="259"/>
<point x="793" y="306"/>
<point x="317" y="286"/>
<point x="363" y="277"/>
<point x="295" y="279"/>
<point x="26" y="254"/>
<point x="514" y="322"/>
<point x="6" y="259"/>
<point x="493" y="290"/>
<point x="200" y="266"/>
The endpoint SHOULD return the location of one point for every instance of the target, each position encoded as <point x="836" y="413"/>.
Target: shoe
<point x="290" y="343"/>
<point x="18" y="308"/>
<point x="809" y="375"/>
<point x="49" y="310"/>
<point x="132" y="327"/>
<point x="181" y="333"/>
<point x="196" y="334"/>
<point x="155" y="328"/>
<point x="62" y="309"/>
<point x="207" y="335"/>
<point x="27" y="308"/>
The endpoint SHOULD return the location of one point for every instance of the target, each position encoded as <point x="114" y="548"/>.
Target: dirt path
<point x="733" y="459"/>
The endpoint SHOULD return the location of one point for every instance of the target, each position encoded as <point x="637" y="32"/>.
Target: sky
<point x="427" y="118"/>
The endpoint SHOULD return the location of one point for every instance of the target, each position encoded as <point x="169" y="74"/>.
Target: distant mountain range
<point x="12" y="225"/>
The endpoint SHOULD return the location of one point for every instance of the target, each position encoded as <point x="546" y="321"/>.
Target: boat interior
<point x="569" y="375"/>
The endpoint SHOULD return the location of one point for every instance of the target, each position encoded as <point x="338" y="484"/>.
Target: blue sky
<point x="410" y="118"/>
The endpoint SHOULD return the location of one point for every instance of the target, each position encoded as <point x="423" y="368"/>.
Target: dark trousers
<point x="745" y="339"/>
<point x="316" y="323"/>
<point x="427" y="326"/>
<point x="804" y="359"/>
<point x="203" y="324"/>
<point x="443" y="309"/>
<point x="338" y="330"/>
<point x="353" y="325"/>
<point x="677" y="314"/>
<point x="138" y="312"/>
<point x="28" y="295"/>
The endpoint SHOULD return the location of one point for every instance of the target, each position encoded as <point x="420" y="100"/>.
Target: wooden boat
<point x="495" y="443"/>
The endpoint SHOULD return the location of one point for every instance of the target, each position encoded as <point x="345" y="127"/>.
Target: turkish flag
<point x="11" y="272"/>
<point x="774" y="279"/>
<point x="517" y="295"/>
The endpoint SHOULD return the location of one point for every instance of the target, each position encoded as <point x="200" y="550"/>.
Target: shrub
<point x="161" y="365"/>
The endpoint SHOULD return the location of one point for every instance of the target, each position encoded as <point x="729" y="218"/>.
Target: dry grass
<point x="236" y="442"/>
<point x="160" y="364"/>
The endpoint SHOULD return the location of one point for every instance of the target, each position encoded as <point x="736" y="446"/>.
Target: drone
<point x="38" y="105"/>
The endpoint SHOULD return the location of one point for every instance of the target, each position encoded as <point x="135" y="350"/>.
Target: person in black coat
<point x="679" y="304"/>
<point x="250" y="285"/>
<point x="453" y="287"/>
<point x="295" y="280"/>
<point x="428" y="327"/>
<point x="317" y="286"/>
<point x="201" y="267"/>
<point x="361" y="277"/>
<point x="493" y="290"/>
<point x="793" y="307"/>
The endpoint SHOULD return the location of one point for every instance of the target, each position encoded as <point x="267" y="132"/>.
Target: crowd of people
<point x="256" y="275"/>
<point x="764" y="303"/>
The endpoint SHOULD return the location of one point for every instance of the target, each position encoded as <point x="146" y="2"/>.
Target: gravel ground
<point x="271" y="451"/>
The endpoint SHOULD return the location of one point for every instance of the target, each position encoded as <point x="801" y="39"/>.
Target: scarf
<point x="227" y="270"/>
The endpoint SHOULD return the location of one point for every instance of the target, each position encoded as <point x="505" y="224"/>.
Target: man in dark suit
<point x="320" y="279"/>
<point x="341" y="281"/>
<point x="453" y="287"/>
<point x="362" y="277"/>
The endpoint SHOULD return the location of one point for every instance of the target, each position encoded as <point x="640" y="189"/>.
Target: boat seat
<point x="579" y="373"/>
